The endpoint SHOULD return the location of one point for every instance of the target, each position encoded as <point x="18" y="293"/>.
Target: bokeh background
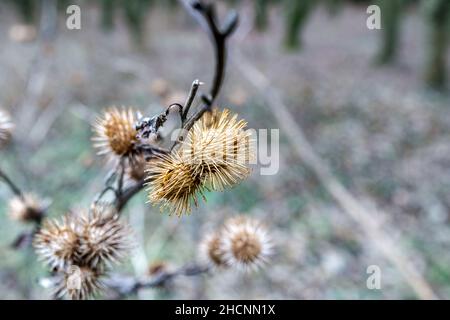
<point x="372" y="103"/>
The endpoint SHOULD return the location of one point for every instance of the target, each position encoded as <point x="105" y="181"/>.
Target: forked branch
<point x="205" y="14"/>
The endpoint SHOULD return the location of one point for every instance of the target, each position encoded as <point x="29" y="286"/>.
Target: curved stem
<point x="14" y="188"/>
<point x="206" y="15"/>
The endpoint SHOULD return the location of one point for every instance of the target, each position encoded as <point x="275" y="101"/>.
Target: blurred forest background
<point x="373" y="104"/>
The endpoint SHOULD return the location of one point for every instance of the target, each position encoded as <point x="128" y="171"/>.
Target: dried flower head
<point x="86" y="244"/>
<point x="57" y="242"/>
<point x="27" y="208"/>
<point x="115" y="132"/>
<point x="246" y="243"/>
<point x="174" y="183"/>
<point x="79" y="283"/>
<point x="211" y="251"/>
<point x="104" y="238"/>
<point x="6" y="127"/>
<point x="220" y="149"/>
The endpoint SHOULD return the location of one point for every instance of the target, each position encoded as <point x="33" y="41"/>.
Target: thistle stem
<point x="14" y="188"/>
<point x="206" y="16"/>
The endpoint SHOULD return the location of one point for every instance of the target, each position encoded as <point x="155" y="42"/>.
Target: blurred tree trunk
<point x="333" y="6"/>
<point x="437" y="14"/>
<point x="261" y="14"/>
<point x="297" y="12"/>
<point x="108" y="9"/>
<point x="27" y="9"/>
<point x="135" y="13"/>
<point x="390" y="25"/>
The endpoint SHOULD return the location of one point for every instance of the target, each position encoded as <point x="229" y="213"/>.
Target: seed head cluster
<point x="88" y="243"/>
<point x="214" y="156"/>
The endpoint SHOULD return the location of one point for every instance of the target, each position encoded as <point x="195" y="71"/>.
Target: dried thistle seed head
<point x="246" y="243"/>
<point x="115" y="132"/>
<point x="104" y="238"/>
<point x="27" y="208"/>
<point x="173" y="183"/>
<point x="79" y="283"/>
<point x="211" y="251"/>
<point x="6" y="127"/>
<point x="57" y="242"/>
<point x="220" y="148"/>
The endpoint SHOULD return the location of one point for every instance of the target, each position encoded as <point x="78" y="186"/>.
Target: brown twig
<point x="125" y="286"/>
<point x="206" y="15"/>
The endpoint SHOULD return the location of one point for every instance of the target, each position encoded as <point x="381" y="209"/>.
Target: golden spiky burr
<point x="174" y="183"/>
<point x="246" y="243"/>
<point x="220" y="148"/>
<point x="6" y="127"/>
<point x="115" y="132"/>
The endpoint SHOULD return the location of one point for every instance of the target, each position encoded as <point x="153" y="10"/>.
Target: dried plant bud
<point x="174" y="183"/>
<point x="104" y="238"/>
<point x="6" y="127"/>
<point x="79" y="283"/>
<point x="57" y="242"/>
<point x="246" y="243"/>
<point x="28" y="208"/>
<point x="220" y="149"/>
<point x="211" y="252"/>
<point x="115" y="132"/>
